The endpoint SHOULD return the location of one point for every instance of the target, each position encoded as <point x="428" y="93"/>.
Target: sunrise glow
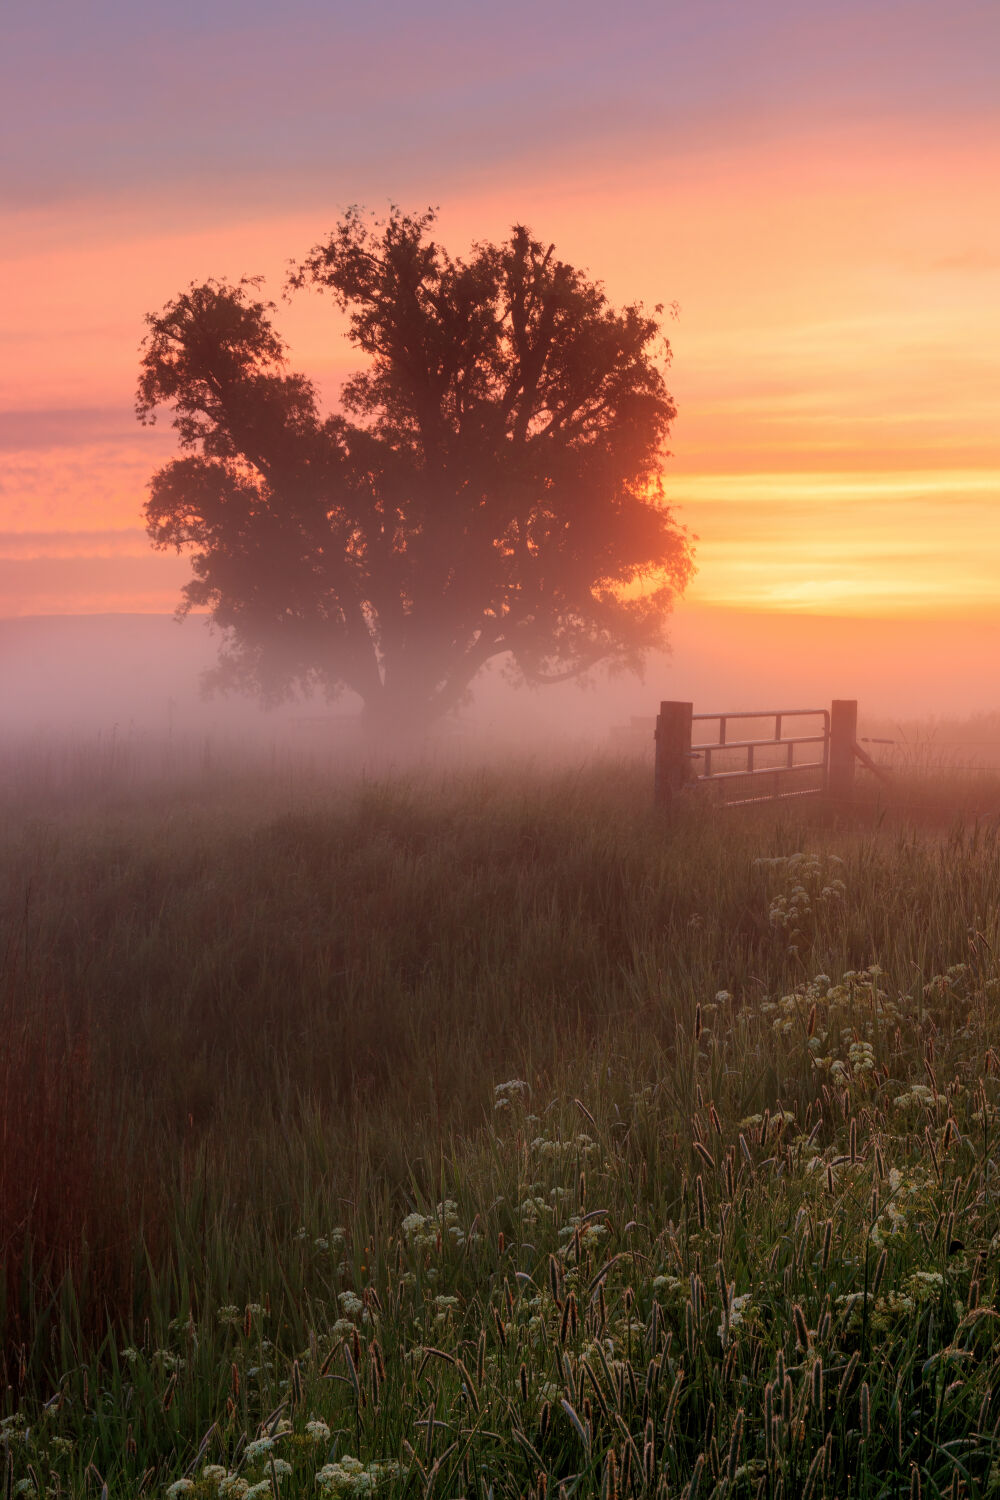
<point x="816" y="200"/>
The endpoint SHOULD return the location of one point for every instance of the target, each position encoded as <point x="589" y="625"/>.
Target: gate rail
<point x="676" y="754"/>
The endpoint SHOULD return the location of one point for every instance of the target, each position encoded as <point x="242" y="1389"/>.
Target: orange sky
<point x="837" y="264"/>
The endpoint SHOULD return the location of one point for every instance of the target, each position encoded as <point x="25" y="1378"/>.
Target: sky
<point x="813" y="184"/>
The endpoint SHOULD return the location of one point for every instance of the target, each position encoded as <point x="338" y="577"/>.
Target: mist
<point x="114" y="675"/>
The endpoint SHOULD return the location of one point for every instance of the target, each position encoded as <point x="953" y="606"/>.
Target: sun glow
<point x="834" y="359"/>
<point x="871" y="543"/>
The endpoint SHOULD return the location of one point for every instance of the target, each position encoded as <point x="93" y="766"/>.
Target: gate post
<point x="843" y="738"/>
<point x="673" y="750"/>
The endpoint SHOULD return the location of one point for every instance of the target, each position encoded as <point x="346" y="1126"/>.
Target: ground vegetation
<point x="483" y="1134"/>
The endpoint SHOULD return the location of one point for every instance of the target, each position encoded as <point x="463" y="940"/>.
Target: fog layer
<point x="95" y="672"/>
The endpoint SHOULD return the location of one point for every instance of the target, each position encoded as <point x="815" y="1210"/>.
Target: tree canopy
<point x="492" y="485"/>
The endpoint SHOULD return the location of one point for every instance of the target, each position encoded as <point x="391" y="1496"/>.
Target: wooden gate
<point x="810" y="752"/>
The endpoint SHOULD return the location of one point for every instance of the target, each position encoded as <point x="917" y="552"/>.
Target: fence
<point x="817" y="759"/>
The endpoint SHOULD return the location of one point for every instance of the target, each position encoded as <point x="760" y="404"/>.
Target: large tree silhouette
<point x="491" y="487"/>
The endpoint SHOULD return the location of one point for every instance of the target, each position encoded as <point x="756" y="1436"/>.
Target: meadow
<point x="483" y="1132"/>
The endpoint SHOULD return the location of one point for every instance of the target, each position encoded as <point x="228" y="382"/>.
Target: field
<point x="481" y="1133"/>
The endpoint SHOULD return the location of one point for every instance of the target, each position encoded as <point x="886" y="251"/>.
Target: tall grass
<point x="508" y="1135"/>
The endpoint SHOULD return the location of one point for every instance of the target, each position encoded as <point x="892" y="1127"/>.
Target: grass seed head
<point x="735" y="1441"/>
<point x="879" y="1272"/>
<point x="701" y="1204"/>
<point x="827" y="1244"/>
<point x="801" y="1331"/>
<point x="500" y="1329"/>
<point x="610" y="1489"/>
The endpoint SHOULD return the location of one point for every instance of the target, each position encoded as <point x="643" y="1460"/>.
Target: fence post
<point x="673" y="750"/>
<point x="843" y="738"/>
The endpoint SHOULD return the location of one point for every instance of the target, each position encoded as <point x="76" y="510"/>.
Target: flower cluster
<point x="445" y="1308"/>
<point x="843" y="1026"/>
<point x="350" y="1476"/>
<point x="910" y="1195"/>
<point x="505" y="1093"/>
<point x="949" y="997"/>
<point x="671" y="1289"/>
<point x="860" y="1057"/>
<point x="260" y="1469"/>
<point x="917" y="1096"/>
<point x="733" y="1315"/>
<point x="811" y="888"/>
<point x="424" y="1232"/>
<point x="538" y="1206"/>
<point x="332" y="1243"/>
<point x="592" y="1231"/>
<point x="12" y="1428"/>
<point x="559" y="1151"/>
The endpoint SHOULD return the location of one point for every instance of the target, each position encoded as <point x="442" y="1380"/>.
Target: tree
<point x="491" y="487"/>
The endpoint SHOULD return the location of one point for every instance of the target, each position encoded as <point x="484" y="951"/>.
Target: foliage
<point x="491" y="487"/>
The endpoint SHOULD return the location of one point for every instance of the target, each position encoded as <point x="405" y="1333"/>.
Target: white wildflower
<point x="233" y="1487"/>
<point x="258" y="1449"/>
<point x="504" y="1093"/>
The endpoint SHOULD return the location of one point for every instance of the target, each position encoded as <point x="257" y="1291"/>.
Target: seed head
<point x="801" y="1331"/>
<point x="702" y="1207"/>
